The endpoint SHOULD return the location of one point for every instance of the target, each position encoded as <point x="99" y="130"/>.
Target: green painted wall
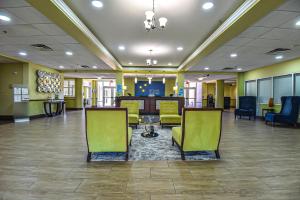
<point x="219" y="94"/>
<point x="9" y="74"/>
<point x="77" y="101"/>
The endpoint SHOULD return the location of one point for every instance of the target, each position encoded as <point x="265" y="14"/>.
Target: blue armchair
<point x="289" y="111"/>
<point x="247" y="107"/>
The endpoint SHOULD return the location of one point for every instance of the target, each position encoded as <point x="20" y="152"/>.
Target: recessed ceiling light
<point x="239" y="69"/>
<point x="233" y="55"/>
<point x="99" y="77"/>
<point x="298" y="23"/>
<point x="95" y="67"/>
<point x="69" y="53"/>
<point x="169" y="64"/>
<point x="179" y="48"/>
<point x="61" y="67"/>
<point x="154" y="62"/>
<point x="279" y="57"/>
<point x="200" y="79"/>
<point x="130" y="63"/>
<point x="122" y="48"/>
<point x="206" y="68"/>
<point x="97" y="4"/>
<point x="4" y="18"/>
<point x="207" y="5"/>
<point x="23" y="53"/>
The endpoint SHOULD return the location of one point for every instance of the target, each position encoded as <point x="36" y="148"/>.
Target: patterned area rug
<point x="157" y="148"/>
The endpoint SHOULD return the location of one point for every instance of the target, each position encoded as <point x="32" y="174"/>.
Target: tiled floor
<point x="46" y="160"/>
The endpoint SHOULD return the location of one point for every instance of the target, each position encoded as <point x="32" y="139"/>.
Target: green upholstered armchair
<point x="168" y="113"/>
<point x="133" y="111"/>
<point x="107" y="130"/>
<point x="200" y="131"/>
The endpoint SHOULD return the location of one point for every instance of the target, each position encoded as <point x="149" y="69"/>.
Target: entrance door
<point x="190" y="97"/>
<point x="109" y="95"/>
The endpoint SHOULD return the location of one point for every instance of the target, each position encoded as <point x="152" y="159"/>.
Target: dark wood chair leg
<point x="182" y="155"/>
<point x="217" y="154"/>
<point x="88" y="158"/>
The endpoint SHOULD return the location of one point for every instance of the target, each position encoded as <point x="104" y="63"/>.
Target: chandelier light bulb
<point x="149" y="15"/>
<point x="154" y="62"/>
<point x="148" y="61"/>
<point x="147" y="25"/>
<point x="163" y="22"/>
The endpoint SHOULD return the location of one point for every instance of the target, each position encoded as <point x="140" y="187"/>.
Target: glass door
<point x="190" y="96"/>
<point x="109" y="95"/>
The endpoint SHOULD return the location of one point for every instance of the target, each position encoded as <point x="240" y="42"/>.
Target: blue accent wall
<point x="143" y="88"/>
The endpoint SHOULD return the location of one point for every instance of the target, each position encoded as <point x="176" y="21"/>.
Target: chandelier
<point x="150" y="61"/>
<point x="150" y="22"/>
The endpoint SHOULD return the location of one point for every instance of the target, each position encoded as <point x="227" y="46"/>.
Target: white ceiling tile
<point x="276" y="19"/>
<point x="283" y="34"/>
<point x="49" y="29"/>
<point x="13" y="3"/>
<point x="29" y="15"/>
<point x="239" y="41"/>
<point x="254" y="32"/>
<point x="290" y="5"/>
<point x="20" y="30"/>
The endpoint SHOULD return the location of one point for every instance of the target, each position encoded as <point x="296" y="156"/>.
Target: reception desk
<point x="150" y="105"/>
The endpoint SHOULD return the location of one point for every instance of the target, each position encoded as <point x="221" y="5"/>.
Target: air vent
<point x="277" y="51"/>
<point x="42" y="47"/>
<point x="85" y="66"/>
<point x="228" y="68"/>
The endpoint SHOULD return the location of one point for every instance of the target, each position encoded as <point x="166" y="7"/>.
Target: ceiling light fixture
<point x="95" y="67"/>
<point x="130" y="63"/>
<point x="207" y="6"/>
<point x="239" y="69"/>
<point x="298" y="23"/>
<point x="99" y="77"/>
<point x="23" y="53"/>
<point x="97" y="4"/>
<point x="150" y="61"/>
<point x="61" y="67"/>
<point x="206" y="68"/>
<point x="69" y="53"/>
<point x="179" y="48"/>
<point x="121" y="48"/>
<point x="169" y="64"/>
<point x="233" y="55"/>
<point x="150" y="22"/>
<point x="4" y="18"/>
<point x="279" y="57"/>
<point x="200" y="79"/>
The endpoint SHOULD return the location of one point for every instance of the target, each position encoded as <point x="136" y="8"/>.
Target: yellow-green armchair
<point x="133" y="111"/>
<point x="168" y="113"/>
<point x="107" y="130"/>
<point x="200" y="131"/>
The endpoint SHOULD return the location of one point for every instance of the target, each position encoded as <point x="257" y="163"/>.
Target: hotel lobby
<point x="152" y="99"/>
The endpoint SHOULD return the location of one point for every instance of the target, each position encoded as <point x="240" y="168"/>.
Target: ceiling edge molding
<point x="89" y="71"/>
<point x="59" y="13"/>
<point x="247" y="14"/>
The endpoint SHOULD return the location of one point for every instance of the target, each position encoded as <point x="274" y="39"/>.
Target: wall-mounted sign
<point x="48" y="82"/>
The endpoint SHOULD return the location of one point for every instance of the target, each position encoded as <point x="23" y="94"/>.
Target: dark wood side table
<point x="266" y="110"/>
<point x="48" y="108"/>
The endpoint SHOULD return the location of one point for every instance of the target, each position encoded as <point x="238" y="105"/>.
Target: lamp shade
<point x="149" y="15"/>
<point x="147" y="25"/>
<point x="163" y="22"/>
<point x="154" y="62"/>
<point x="148" y="61"/>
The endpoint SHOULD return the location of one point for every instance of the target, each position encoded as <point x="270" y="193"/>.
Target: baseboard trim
<point x="37" y="116"/>
<point x="7" y="118"/>
<point x="73" y="109"/>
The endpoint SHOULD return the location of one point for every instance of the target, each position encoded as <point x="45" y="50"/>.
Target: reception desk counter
<point x="150" y="105"/>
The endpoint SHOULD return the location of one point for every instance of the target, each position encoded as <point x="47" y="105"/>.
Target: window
<point x="264" y="90"/>
<point x="69" y="88"/>
<point x="250" y="88"/>
<point x="282" y="87"/>
<point x="297" y="84"/>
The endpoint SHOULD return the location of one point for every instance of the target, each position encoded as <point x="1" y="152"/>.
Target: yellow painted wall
<point x="129" y="82"/>
<point x="77" y="101"/>
<point x="169" y="84"/>
<point x="9" y="74"/>
<point x="230" y="91"/>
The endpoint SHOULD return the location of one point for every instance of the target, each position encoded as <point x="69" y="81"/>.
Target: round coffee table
<point x="149" y="122"/>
